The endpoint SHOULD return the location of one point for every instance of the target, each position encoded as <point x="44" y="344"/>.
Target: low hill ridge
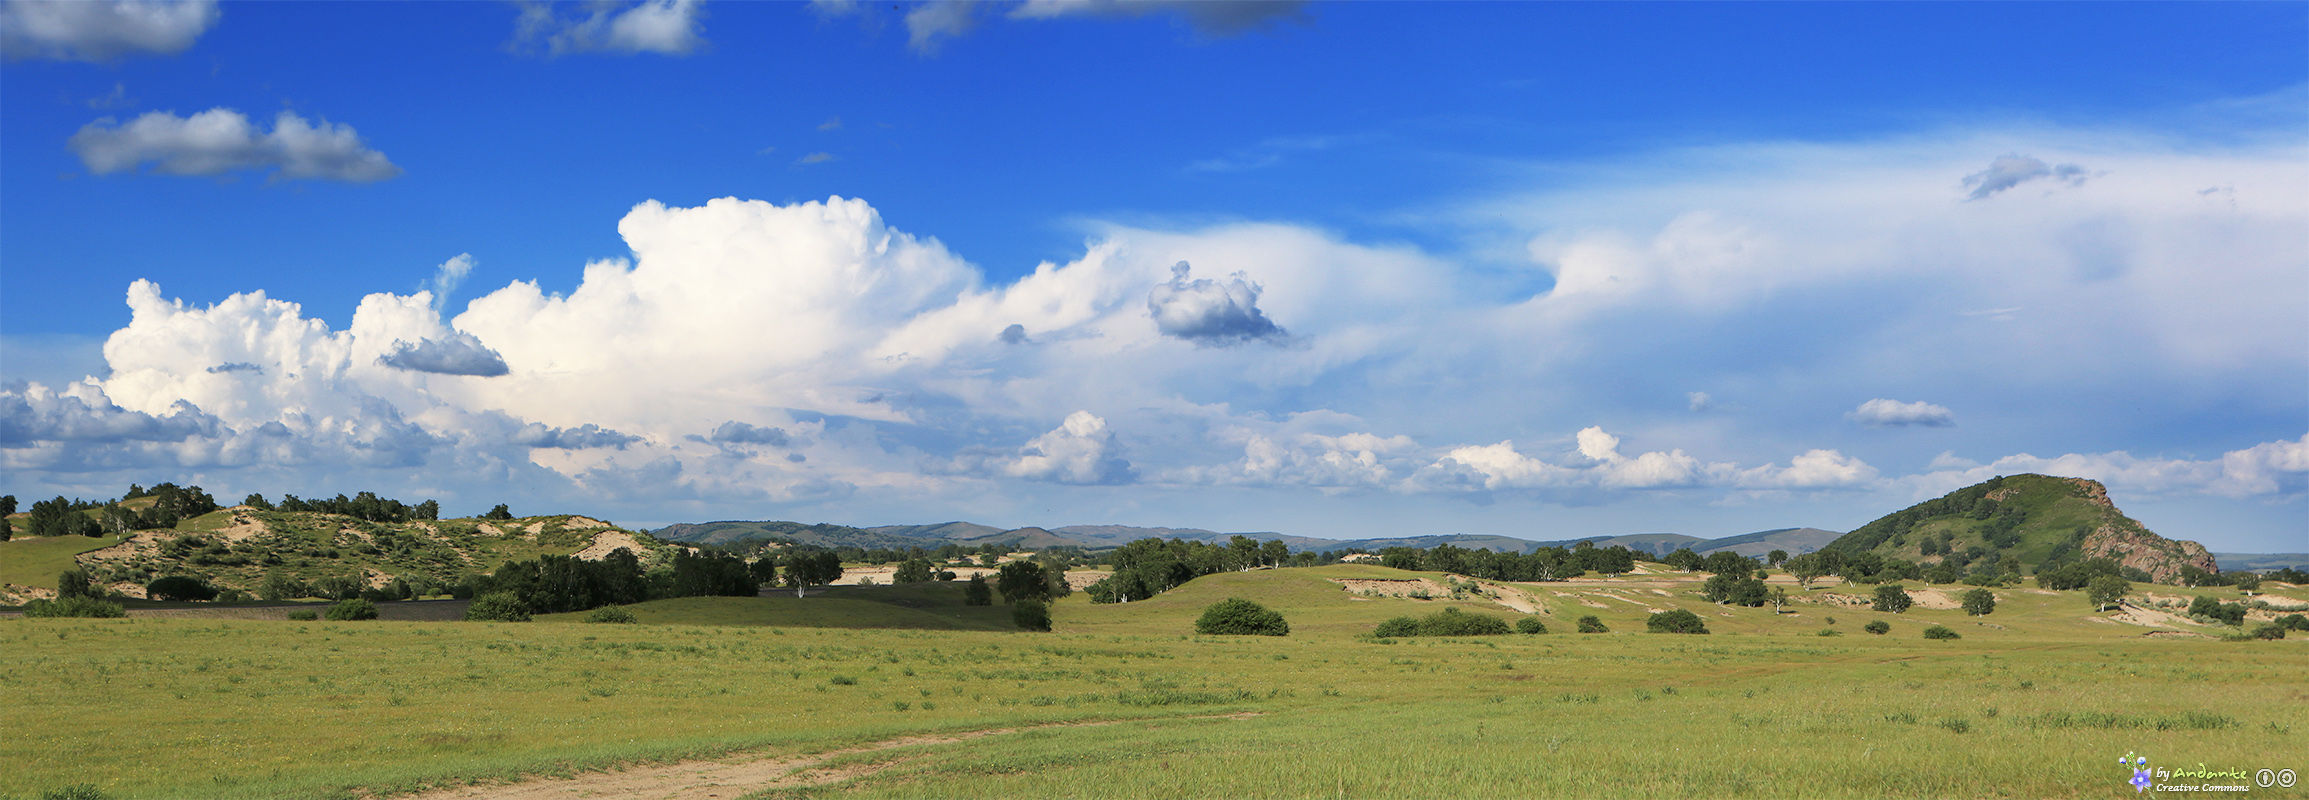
<point x="2036" y="520"/>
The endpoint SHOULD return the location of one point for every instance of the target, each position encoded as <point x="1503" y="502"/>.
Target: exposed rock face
<point x="2158" y="556"/>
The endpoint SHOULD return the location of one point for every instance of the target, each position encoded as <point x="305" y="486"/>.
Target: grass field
<point x="37" y="560"/>
<point x="2036" y="700"/>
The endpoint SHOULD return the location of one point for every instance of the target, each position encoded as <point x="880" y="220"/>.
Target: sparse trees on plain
<point x="977" y="593"/>
<point x="1022" y="580"/>
<point x="913" y="570"/>
<point x="806" y="568"/>
<point x="1590" y="624"/>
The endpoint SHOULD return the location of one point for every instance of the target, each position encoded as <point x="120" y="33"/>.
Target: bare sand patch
<point x="741" y="775"/>
<point x="1933" y="599"/>
<point x="2131" y="614"/>
<point x="608" y="542"/>
<point x="1413" y="588"/>
<point x="583" y="523"/>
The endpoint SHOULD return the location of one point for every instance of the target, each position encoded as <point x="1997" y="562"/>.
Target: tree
<point x="1021" y="580"/>
<point x="1275" y="552"/>
<point x="2106" y="590"/>
<point x="1683" y="559"/>
<point x="1892" y="597"/>
<point x="1589" y="624"/>
<point x="1807" y="568"/>
<point x="1030" y="614"/>
<point x="180" y="588"/>
<point x="278" y="587"/>
<point x="430" y="509"/>
<point x="74" y="583"/>
<point x="976" y="592"/>
<point x="2247" y="582"/>
<point x="499" y="513"/>
<point x="255" y="500"/>
<point x="806" y="568"/>
<point x="1979" y="602"/>
<point x="1238" y="617"/>
<point x="912" y="570"/>
<point x="1676" y="621"/>
<point x="1779" y="600"/>
<point x="1776" y="557"/>
<point x="7" y="504"/>
<point x="1736" y="589"/>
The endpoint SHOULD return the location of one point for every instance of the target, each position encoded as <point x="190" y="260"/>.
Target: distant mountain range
<point x="1794" y="540"/>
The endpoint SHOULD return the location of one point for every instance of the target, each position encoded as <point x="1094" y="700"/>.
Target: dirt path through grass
<point x="740" y="775"/>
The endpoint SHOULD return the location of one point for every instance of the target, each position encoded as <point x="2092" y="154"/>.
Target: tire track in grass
<point x="719" y="779"/>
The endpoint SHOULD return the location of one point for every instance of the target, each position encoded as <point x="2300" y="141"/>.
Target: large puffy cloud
<point x="1209" y="312"/>
<point x="1883" y="413"/>
<point x="101" y="30"/>
<point x="1080" y="450"/>
<point x="222" y="140"/>
<point x="81" y="413"/>
<point x="1595" y="462"/>
<point x="665" y="27"/>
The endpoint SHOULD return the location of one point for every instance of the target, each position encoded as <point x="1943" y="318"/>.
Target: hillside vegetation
<point x="240" y="548"/>
<point x="2025" y="522"/>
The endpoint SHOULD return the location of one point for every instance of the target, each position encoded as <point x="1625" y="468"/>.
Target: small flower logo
<point x="2140" y="767"/>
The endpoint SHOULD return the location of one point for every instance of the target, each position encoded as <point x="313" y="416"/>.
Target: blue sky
<point x="1539" y="270"/>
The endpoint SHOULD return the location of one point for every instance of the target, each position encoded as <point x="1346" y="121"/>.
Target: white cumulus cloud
<point x="1883" y="413"/>
<point x="101" y="30"/>
<point x="1080" y="450"/>
<point x="222" y="140"/>
<point x="665" y="27"/>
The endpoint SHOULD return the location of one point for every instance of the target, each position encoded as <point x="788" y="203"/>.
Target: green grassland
<point x="2036" y="700"/>
<point x="37" y="560"/>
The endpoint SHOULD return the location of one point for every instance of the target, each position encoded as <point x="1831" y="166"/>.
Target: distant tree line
<point x="365" y="505"/>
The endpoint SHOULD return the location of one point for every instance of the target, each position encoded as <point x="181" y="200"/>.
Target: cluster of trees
<point x="1856" y="566"/>
<point x="1741" y="590"/>
<point x="1544" y="564"/>
<point x="1148" y="567"/>
<point x="64" y="517"/>
<point x="1892" y="598"/>
<point x="2214" y="610"/>
<point x="364" y="505"/>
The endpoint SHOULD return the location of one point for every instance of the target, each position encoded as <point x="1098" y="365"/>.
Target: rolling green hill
<point x="2037" y="520"/>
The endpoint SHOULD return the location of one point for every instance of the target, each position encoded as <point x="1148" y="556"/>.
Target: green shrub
<point x="1676" y="621"/>
<point x="1941" y="632"/>
<point x="1530" y="625"/>
<point x="1030" y="614"/>
<point x="612" y="614"/>
<point x="75" y="606"/>
<point x="304" y="616"/>
<point x="1239" y="617"/>
<point x="1448" y="622"/>
<point x="349" y="610"/>
<point x="1878" y="627"/>
<point x="77" y="791"/>
<point x="1892" y="597"/>
<point x="497" y="607"/>
<point x="1589" y="624"/>
<point x="1829" y="632"/>
<point x="2270" y="631"/>
<point x="2294" y="622"/>
<point x="180" y="587"/>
